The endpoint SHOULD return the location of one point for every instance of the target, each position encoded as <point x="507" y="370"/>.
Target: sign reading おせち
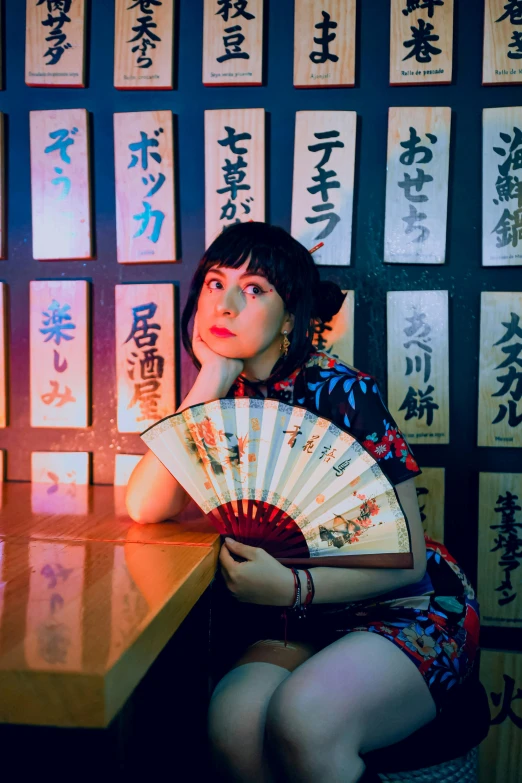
<point x="421" y="42"/>
<point x="145" y="359"/>
<point x="500" y="539"/>
<point x="145" y="210"/>
<point x="322" y="202"/>
<point x="143" y="46"/>
<point x="418" y="373"/>
<point x="234" y="168"/>
<point x="59" y="353"/>
<point x="502" y="63"/>
<point x="232" y="42"/>
<point x="324" y="43"/>
<point x="500" y="409"/>
<point x="60" y="185"/>
<point x="501" y="188"/>
<point x="417" y="185"/>
<point x="55" y="43"/>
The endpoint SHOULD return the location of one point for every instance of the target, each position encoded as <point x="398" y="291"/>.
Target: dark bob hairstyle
<point x="288" y="266"/>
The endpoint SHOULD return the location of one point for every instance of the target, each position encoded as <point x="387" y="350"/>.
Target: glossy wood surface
<point x="88" y="602"/>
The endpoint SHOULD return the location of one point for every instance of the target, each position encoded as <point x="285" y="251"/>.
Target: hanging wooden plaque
<point x="421" y="42"/>
<point x="3" y="227"/>
<point x="59" y="335"/>
<point x="502" y="151"/>
<point x="145" y="354"/>
<point x="53" y="638"/>
<point x="500" y="753"/>
<point x="324" y="43"/>
<point x="336" y="337"/>
<point x="500" y="516"/>
<point x="417" y="185"/>
<point x="60" y="184"/>
<point x="502" y="54"/>
<point x="322" y="202"/>
<point x="232" y="43"/>
<point x="55" y="43"/>
<point x="144" y="45"/>
<point x="418" y="373"/>
<point x="3" y="355"/>
<point x="430" y="495"/>
<point x="234" y="168"/>
<point x="2" y="473"/>
<point x="145" y="207"/>
<point x="499" y="408"/>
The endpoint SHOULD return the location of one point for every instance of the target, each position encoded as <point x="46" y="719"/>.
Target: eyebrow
<point x="216" y="271"/>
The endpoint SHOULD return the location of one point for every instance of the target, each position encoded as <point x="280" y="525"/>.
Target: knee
<point x="292" y="721"/>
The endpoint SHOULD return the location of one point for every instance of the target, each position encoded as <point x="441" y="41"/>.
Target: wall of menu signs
<point x="391" y="131"/>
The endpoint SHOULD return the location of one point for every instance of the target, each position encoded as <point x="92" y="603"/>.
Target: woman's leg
<point x="358" y="694"/>
<point x="237" y="710"/>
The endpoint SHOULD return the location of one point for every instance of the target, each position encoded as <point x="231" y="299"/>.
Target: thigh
<point x="361" y="689"/>
<point x="274" y="651"/>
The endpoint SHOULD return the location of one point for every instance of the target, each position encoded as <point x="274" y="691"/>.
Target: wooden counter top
<point x="87" y="602"/>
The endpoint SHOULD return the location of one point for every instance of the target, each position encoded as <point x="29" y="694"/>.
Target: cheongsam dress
<point x="435" y="621"/>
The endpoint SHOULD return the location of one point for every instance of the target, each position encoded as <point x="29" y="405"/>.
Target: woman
<point x="373" y="659"/>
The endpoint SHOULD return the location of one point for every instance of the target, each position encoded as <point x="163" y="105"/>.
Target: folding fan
<point x="282" y="478"/>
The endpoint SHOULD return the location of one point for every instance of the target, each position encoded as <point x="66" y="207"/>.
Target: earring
<point x="285" y="344"/>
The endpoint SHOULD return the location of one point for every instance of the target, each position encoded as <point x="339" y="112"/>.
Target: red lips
<point x="221" y="332"/>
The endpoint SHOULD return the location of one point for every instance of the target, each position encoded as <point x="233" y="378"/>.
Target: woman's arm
<point x="153" y="494"/>
<point x="340" y="585"/>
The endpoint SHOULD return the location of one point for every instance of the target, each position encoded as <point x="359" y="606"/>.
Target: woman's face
<point x="248" y="307"/>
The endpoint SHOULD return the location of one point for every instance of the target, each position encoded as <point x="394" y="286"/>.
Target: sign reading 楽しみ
<point x="417" y="185"/>
<point x="59" y="353"/>
<point x="145" y="210"/>
<point x="145" y="359"/>
<point x="234" y="168"/>
<point x="60" y="185"/>
<point x="322" y="202"/>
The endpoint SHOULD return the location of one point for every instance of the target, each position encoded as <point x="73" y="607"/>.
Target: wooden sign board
<point x="501" y="229"/>
<point x="234" y="168"/>
<point x="53" y="639"/>
<point x="418" y="372"/>
<point x="421" y="42"/>
<point x="3" y="355"/>
<point x="430" y="495"/>
<point x="144" y="45"/>
<point x="499" y="410"/>
<point x="2" y="469"/>
<point x="3" y="226"/>
<point x="123" y="466"/>
<point x="417" y="185"/>
<point x="500" y="516"/>
<point x="55" y="43"/>
<point x="60" y="184"/>
<point x="322" y="201"/>
<point x="59" y="371"/>
<point x="500" y="753"/>
<point x="232" y="43"/>
<point x="336" y="337"/>
<point x="145" y="356"/>
<point x="145" y="207"/>
<point x="502" y="54"/>
<point x="324" y="43"/>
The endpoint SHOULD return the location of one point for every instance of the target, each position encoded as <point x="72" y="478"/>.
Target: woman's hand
<point x="230" y="368"/>
<point x="261" y="579"/>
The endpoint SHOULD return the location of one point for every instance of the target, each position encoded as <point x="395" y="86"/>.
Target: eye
<point x="258" y="289"/>
<point x="212" y="280"/>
